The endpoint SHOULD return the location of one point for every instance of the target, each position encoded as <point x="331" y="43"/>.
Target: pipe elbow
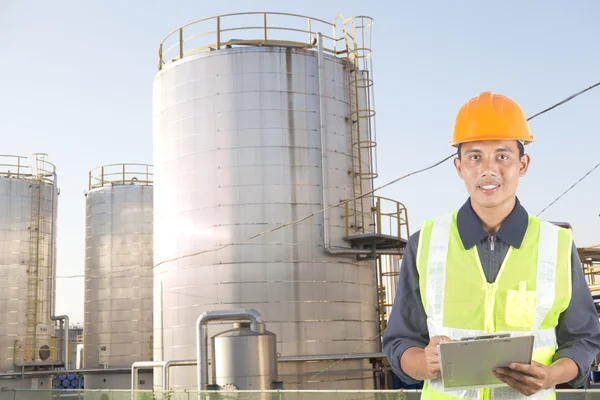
<point x="203" y="318"/>
<point x="254" y="315"/>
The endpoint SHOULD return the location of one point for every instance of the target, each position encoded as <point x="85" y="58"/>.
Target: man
<point x="492" y="267"/>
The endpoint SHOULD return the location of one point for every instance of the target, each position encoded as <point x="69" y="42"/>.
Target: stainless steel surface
<point x="147" y="365"/>
<point x="323" y="148"/>
<point x="245" y="359"/>
<point x="174" y="363"/>
<point x="237" y="152"/>
<point x="118" y="283"/>
<point x="207" y="317"/>
<point x="27" y="198"/>
<point x="165" y="366"/>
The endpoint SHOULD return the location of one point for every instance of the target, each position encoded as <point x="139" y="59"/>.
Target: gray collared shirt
<point x="578" y="330"/>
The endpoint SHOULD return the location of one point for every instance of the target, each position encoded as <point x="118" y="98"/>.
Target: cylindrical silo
<point x="28" y="202"/>
<point x="238" y="151"/>
<point x="118" y="273"/>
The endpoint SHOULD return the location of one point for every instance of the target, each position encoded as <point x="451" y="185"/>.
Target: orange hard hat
<point x="490" y="117"/>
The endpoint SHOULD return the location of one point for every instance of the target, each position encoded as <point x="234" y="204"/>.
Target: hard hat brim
<point x="498" y="138"/>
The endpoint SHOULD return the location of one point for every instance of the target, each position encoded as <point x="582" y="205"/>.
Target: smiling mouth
<point x="489" y="188"/>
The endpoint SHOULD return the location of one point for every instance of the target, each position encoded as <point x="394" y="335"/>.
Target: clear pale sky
<point x="76" y="83"/>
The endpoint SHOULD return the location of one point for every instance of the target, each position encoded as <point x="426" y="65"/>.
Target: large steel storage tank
<point x="28" y="203"/>
<point x="242" y="125"/>
<point x="118" y="273"/>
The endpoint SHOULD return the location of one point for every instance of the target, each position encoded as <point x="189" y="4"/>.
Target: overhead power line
<point x="564" y="101"/>
<point x="569" y="189"/>
<point x="560" y="103"/>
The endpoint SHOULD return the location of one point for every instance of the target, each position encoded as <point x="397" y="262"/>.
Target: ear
<point x="458" y="166"/>
<point x="525" y="161"/>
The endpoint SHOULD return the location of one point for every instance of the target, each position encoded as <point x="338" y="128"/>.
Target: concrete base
<point x="27" y="383"/>
<point x="117" y="381"/>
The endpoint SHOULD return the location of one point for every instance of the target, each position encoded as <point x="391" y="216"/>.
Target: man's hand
<point x="526" y="379"/>
<point x="432" y="358"/>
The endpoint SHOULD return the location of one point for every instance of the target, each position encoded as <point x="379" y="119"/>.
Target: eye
<point x="474" y="157"/>
<point x="503" y="157"/>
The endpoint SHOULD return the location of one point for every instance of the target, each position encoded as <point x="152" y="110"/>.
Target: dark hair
<point x="519" y="146"/>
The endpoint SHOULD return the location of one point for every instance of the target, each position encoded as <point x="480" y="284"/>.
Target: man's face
<point x="491" y="171"/>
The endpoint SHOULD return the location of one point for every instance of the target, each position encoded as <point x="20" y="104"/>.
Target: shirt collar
<point x="512" y="230"/>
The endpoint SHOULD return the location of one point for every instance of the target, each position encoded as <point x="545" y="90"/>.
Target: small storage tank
<point x="244" y="359"/>
<point x="239" y="119"/>
<point x="28" y="203"/>
<point x="118" y="273"/>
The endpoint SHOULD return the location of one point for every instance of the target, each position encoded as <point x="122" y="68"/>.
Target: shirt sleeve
<point x="407" y="323"/>
<point x="578" y="330"/>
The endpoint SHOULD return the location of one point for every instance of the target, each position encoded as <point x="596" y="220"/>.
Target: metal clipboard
<point x="469" y="363"/>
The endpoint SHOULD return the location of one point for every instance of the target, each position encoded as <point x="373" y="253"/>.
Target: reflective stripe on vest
<point x="436" y="238"/>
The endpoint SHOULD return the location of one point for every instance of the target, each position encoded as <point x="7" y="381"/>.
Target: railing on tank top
<point x="252" y="29"/>
<point x="21" y="167"/>
<point x="121" y="174"/>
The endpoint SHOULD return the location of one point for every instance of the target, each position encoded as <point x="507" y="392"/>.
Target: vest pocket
<point x="520" y="306"/>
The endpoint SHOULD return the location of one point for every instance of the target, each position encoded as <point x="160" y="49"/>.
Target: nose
<point x="489" y="167"/>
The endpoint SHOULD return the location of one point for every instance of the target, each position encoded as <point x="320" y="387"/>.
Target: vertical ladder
<point x="356" y="205"/>
<point x="362" y="141"/>
<point x="35" y="261"/>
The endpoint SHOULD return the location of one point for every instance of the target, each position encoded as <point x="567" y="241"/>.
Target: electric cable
<point x="564" y="101"/>
<point x="569" y="189"/>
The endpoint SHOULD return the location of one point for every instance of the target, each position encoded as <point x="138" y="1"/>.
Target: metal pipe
<point x="174" y="363"/>
<point x="257" y="325"/>
<point x="65" y="372"/>
<point x="142" y="365"/>
<point x="52" y="305"/>
<point x="324" y="181"/>
<point x="330" y="357"/>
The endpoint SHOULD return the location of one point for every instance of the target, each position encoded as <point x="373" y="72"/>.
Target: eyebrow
<point x="498" y="150"/>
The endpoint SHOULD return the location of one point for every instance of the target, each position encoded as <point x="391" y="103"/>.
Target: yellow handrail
<point x="34" y="167"/>
<point x="393" y="222"/>
<point x="121" y="174"/>
<point x="28" y="349"/>
<point x="176" y="45"/>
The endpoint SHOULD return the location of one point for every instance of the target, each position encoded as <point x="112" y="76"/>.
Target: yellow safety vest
<point x="532" y="289"/>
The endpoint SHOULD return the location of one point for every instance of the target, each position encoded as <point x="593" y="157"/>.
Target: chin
<point x="487" y="201"/>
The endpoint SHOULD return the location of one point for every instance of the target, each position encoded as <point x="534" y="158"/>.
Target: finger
<point x="516" y="385"/>
<point x="525" y="379"/>
<point x="435" y="372"/>
<point x="434" y="367"/>
<point x="519" y="376"/>
<point x="526" y="369"/>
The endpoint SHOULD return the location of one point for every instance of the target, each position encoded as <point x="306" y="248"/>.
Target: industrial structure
<point x="590" y="260"/>
<point x="272" y="266"/>
<point x="28" y="206"/>
<point x="118" y="273"/>
<point x="257" y="126"/>
<point x="75" y="348"/>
